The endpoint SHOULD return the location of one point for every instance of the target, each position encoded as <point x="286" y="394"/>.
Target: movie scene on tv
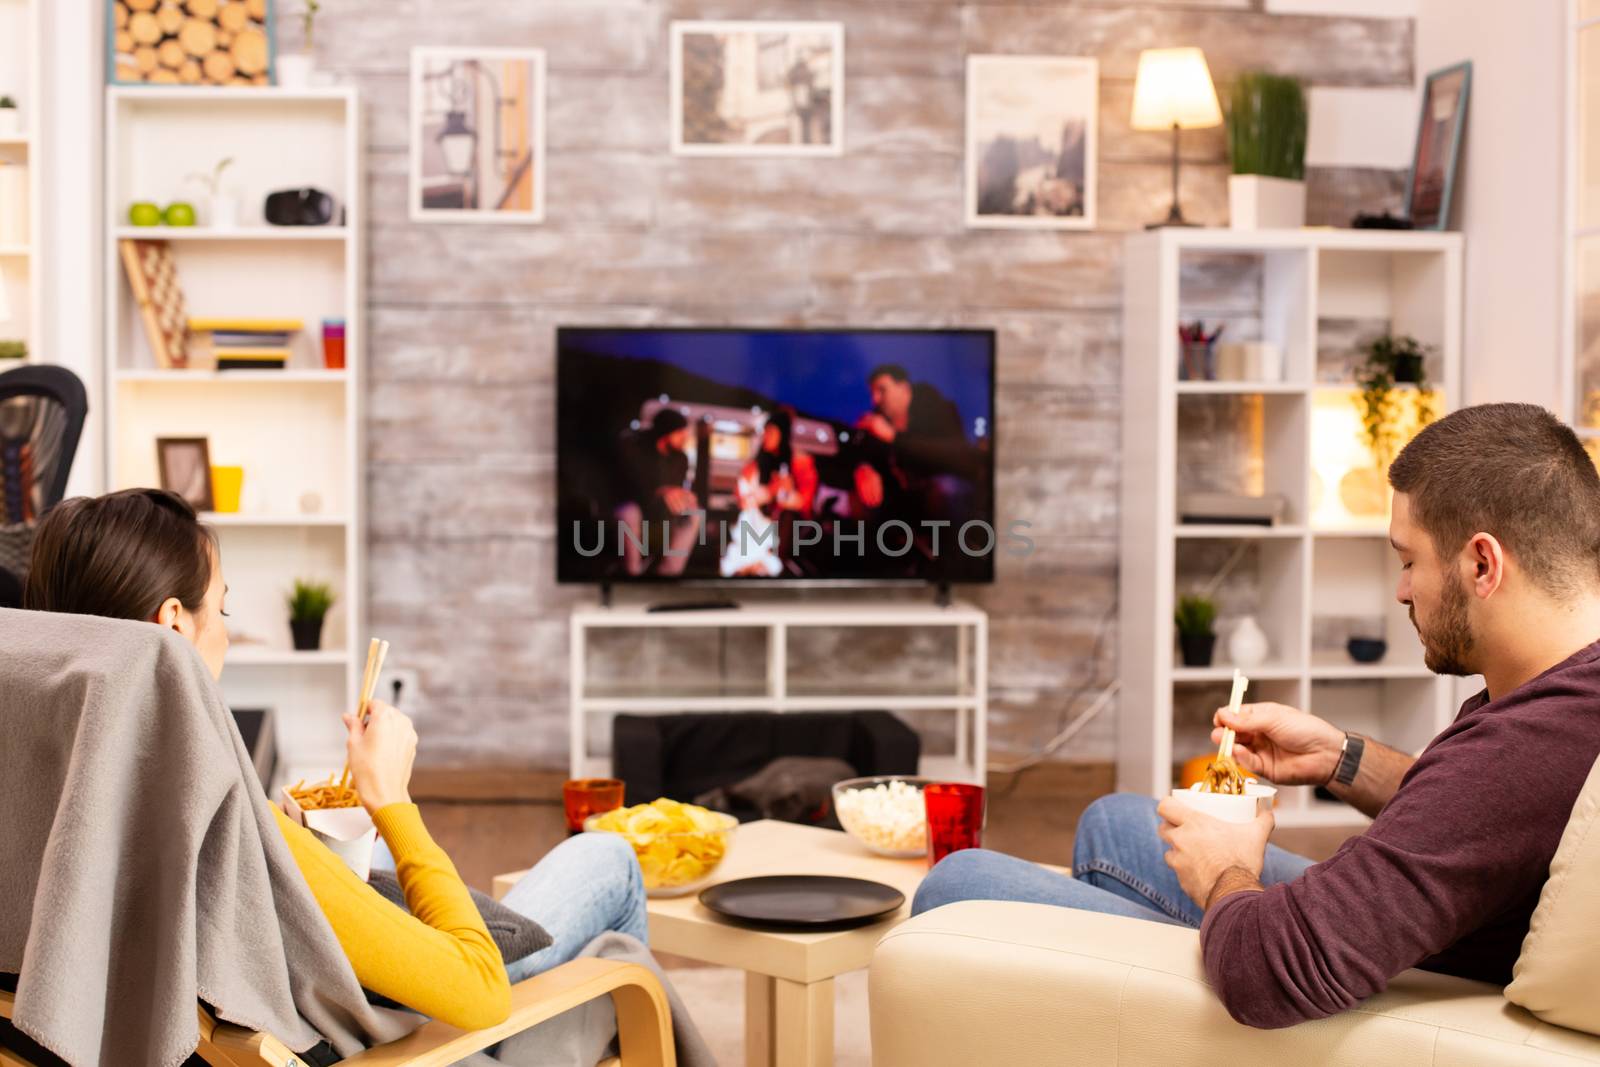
<point x="732" y="455"/>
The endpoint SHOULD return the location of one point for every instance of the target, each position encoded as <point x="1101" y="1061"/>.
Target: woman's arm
<point x="440" y="960"/>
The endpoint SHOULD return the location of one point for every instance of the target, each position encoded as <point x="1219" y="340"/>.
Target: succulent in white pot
<point x="222" y="206"/>
<point x="296" y="69"/>
<point x="1267" y="142"/>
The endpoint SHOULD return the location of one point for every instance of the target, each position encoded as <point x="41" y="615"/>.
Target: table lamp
<point x="1173" y="91"/>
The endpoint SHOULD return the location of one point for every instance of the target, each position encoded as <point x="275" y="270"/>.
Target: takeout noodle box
<point x="1228" y="807"/>
<point x="348" y="832"/>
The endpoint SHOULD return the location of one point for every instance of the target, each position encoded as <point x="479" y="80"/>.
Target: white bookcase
<point x="963" y="693"/>
<point x="296" y="431"/>
<point x="20" y="154"/>
<point x="1308" y="292"/>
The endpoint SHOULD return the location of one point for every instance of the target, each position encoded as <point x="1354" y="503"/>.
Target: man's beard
<point x="1447" y="642"/>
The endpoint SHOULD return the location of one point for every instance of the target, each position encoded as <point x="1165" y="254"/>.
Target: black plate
<point x="803" y="901"/>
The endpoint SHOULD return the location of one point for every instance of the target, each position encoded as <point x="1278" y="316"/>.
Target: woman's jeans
<point x="583" y="887"/>
<point x="1118" y="867"/>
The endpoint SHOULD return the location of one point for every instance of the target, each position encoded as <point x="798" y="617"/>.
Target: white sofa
<point x="985" y="982"/>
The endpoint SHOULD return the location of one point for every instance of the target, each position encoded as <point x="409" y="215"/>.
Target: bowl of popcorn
<point x="884" y="813"/>
<point x="679" y="845"/>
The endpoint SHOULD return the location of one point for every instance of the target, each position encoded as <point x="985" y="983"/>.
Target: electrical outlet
<point x="410" y="688"/>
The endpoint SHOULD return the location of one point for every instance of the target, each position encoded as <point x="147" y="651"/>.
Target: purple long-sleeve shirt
<point x="1445" y="879"/>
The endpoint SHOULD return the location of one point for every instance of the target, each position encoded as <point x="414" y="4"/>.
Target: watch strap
<point x="1349" y="759"/>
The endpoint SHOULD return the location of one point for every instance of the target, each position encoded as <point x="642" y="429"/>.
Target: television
<point x="775" y="455"/>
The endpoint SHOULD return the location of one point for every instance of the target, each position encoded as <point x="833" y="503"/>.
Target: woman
<point x="775" y="489"/>
<point x="143" y="554"/>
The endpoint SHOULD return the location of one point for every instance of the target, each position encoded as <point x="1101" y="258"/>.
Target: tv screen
<point x="777" y="455"/>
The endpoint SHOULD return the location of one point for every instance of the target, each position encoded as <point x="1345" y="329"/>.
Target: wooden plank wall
<point x="461" y="317"/>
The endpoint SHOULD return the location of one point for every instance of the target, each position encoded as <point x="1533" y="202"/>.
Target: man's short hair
<point x="893" y="370"/>
<point x="1513" y="471"/>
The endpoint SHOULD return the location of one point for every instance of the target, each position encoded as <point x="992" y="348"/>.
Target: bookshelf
<point x="296" y="431"/>
<point x="21" y="187"/>
<point x="1327" y="567"/>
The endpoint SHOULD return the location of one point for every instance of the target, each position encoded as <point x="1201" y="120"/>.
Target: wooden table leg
<point x="803" y="1024"/>
<point x="760" y="1004"/>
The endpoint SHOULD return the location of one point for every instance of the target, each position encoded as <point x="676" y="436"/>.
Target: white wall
<point x="1510" y="190"/>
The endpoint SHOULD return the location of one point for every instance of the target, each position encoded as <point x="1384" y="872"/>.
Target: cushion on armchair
<point x="1558" y="971"/>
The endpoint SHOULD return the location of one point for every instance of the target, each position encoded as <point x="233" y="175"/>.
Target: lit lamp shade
<point x="1173" y="88"/>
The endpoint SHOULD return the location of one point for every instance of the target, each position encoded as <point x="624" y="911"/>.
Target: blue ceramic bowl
<point x="1366" y="649"/>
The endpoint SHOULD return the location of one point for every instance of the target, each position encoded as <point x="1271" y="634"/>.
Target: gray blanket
<point x="119" y="768"/>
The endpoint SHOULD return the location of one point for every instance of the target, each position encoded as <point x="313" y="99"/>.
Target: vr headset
<point x="300" y="207"/>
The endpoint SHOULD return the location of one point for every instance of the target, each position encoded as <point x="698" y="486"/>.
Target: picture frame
<point x="184" y="466"/>
<point x="246" y="36"/>
<point x="1430" y="185"/>
<point x="458" y="172"/>
<point x="1032" y="141"/>
<point x="789" y="101"/>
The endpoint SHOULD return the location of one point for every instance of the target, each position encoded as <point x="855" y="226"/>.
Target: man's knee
<point x="606" y="854"/>
<point x="1114" y="817"/>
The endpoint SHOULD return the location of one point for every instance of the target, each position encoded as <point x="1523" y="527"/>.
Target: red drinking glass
<point x="955" y="818"/>
<point x="583" y="797"/>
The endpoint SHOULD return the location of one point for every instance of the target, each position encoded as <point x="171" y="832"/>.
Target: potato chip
<point x="676" y="843"/>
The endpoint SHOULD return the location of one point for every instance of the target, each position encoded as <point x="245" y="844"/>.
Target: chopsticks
<point x="376" y="651"/>
<point x="1225" y="750"/>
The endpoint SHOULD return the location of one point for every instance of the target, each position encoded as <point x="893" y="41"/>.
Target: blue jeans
<point x="583" y="887"/>
<point x="1118" y="868"/>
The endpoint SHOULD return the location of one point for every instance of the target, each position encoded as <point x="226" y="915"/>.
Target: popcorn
<point x="888" y="816"/>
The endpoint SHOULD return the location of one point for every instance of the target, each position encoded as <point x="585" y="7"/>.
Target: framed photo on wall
<point x="1433" y="164"/>
<point x="184" y="464"/>
<point x="758" y="88"/>
<point x="477" y="135"/>
<point x="1032" y="123"/>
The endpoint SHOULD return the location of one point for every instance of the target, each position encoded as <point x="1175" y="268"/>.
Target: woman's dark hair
<point x="767" y="463"/>
<point x="120" y="555"/>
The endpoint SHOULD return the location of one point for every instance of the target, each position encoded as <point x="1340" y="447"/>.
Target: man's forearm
<point x="1233" y="880"/>
<point x="1376" y="779"/>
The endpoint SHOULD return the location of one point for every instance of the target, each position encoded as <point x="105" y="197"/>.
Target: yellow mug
<point x="226" y="485"/>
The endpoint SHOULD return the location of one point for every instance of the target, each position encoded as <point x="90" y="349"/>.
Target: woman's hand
<point x="381" y="752"/>
<point x="1282" y="744"/>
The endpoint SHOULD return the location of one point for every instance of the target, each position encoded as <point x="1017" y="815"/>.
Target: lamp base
<point x="1174" y="218"/>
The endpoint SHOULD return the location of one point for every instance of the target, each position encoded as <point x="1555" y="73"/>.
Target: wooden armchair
<point x="644" y="1024"/>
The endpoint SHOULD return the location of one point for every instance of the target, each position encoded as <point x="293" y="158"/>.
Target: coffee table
<point x="788" y="999"/>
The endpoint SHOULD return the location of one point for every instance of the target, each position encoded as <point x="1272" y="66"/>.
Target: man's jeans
<point x="583" y="887"/>
<point x="1118" y="867"/>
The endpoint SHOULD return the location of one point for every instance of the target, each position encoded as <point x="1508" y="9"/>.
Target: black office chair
<point x="42" y="411"/>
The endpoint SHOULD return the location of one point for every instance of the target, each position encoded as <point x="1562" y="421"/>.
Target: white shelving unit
<point x="965" y="696"/>
<point x="21" y="260"/>
<point x="297" y="431"/>
<point x="1301" y="290"/>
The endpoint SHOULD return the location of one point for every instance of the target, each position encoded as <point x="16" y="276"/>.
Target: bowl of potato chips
<point x="679" y="845"/>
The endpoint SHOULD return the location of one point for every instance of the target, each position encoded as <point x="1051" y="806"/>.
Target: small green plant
<point x="310" y="601"/>
<point x="1196" y="616"/>
<point x="213" y="181"/>
<point x="1267" y="126"/>
<point x="13" y="350"/>
<point x="7" y="103"/>
<point x="308" y="18"/>
<point x="1386" y="422"/>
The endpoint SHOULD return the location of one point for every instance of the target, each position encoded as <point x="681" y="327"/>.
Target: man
<point x="917" y="462"/>
<point x="659" y="509"/>
<point x="1496" y="521"/>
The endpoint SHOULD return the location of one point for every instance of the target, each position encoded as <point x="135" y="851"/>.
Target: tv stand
<point x="942" y="597"/>
<point x="711" y="604"/>
<point x="963" y="692"/>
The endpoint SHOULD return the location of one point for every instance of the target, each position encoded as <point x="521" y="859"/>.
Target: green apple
<point x="179" y="213"/>
<point x="144" y="213"/>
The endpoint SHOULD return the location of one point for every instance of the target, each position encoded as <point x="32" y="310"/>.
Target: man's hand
<point x="678" y="500"/>
<point x="877" y="426"/>
<point x="381" y="752"/>
<point x="869" y="486"/>
<point x="1282" y="744"/>
<point x="1202" y="848"/>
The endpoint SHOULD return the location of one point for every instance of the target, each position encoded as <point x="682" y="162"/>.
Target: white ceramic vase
<point x="1258" y="203"/>
<point x="223" y="213"/>
<point x="294" y="70"/>
<point x="1247" y="645"/>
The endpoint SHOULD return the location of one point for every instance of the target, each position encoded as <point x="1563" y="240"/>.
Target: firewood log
<point x="202" y="9"/>
<point x="144" y="57"/>
<point x="257" y="9"/>
<point x="249" y="51"/>
<point x="218" y="67"/>
<point x="189" y="73"/>
<point x="141" y="5"/>
<point x="170" y="53"/>
<point x="119" y="15"/>
<point x="144" y="28"/>
<point x="233" y="17"/>
<point x="198" y="37"/>
<point x="169" y="17"/>
<point x="124" y="42"/>
<point x="163" y="76"/>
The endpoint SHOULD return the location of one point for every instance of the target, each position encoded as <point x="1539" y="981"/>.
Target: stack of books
<point x="248" y="344"/>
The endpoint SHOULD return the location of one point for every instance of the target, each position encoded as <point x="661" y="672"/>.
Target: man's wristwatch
<point x="1344" y="772"/>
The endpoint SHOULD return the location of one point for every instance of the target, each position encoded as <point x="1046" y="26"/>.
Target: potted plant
<point x="13" y="351"/>
<point x="308" y="606"/>
<point x="295" y="68"/>
<point x="1196" y="618"/>
<point x="10" y="117"/>
<point x="1387" y="420"/>
<point x="1267" y="141"/>
<point x="222" y="212"/>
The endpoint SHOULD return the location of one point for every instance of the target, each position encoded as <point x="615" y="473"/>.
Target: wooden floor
<point x="491" y="821"/>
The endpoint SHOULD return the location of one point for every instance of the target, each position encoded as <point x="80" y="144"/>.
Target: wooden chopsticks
<point x="1240" y="682"/>
<point x="376" y="651"/>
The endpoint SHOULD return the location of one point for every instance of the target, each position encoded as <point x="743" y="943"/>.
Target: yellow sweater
<point x="440" y="959"/>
